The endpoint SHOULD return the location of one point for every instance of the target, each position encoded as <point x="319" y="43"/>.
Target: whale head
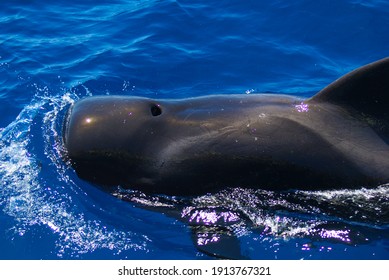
<point x="104" y="137"/>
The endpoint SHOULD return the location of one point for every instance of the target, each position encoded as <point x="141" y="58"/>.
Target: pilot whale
<point x="339" y="138"/>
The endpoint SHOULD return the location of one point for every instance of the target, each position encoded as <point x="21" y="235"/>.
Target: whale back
<point x="363" y="92"/>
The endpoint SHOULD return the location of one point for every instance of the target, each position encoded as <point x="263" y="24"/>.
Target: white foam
<point x="26" y="197"/>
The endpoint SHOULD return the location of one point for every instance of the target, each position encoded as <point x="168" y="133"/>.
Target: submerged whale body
<point x="339" y="138"/>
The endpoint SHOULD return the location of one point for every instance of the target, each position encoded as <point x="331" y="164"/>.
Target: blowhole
<point x="156" y="110"/>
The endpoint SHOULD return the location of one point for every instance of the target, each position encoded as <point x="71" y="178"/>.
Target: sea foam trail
<point x="26" y="197"/>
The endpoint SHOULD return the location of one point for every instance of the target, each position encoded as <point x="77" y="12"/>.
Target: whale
<point x="337" y="138"/>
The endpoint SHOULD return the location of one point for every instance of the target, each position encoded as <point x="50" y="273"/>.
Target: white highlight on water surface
<point x="25" y="195"/>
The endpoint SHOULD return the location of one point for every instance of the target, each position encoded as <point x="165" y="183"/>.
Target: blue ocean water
<point x="53" y="54"/>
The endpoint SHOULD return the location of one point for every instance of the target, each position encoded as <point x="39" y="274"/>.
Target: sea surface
<point x="53" y="54"/>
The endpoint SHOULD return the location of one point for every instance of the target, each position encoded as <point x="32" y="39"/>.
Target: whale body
<point x="339" y="138"/>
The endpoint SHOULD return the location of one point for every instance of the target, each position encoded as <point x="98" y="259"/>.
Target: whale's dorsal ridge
<point x="365" y="90"/>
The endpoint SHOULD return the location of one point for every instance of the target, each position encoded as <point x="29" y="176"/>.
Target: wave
<point x="30" y="155"/>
